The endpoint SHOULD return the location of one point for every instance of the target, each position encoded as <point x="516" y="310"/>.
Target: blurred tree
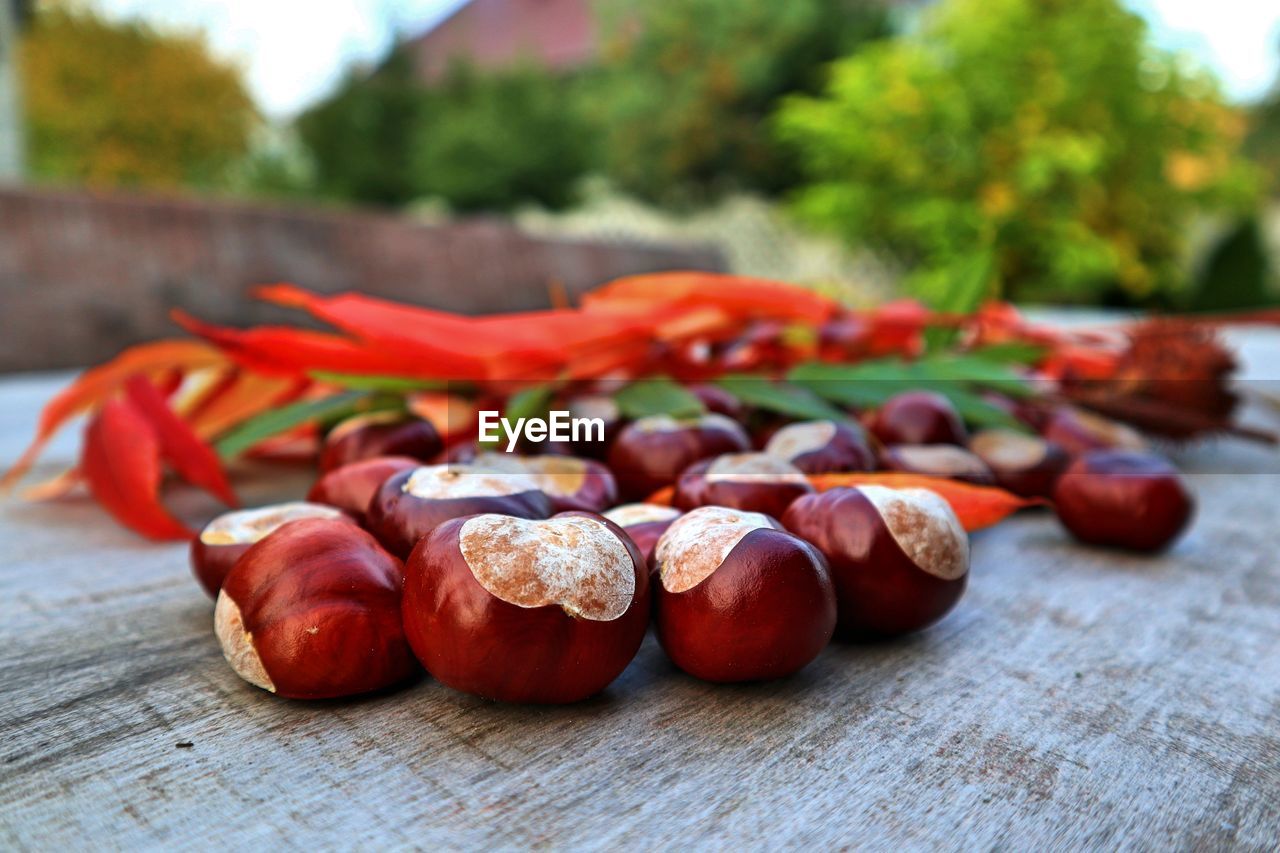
<point x="1042" y="140"/>
<point x="360" y="138"/>
<point x="480" y="141"/>
<point x="1263" y="142"/>
<point x="686" y="85"/>
<point x="113" y="104"/>
<point x="492" y="141"/>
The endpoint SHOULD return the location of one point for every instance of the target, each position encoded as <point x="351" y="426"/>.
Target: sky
<point x="294" y="51"/>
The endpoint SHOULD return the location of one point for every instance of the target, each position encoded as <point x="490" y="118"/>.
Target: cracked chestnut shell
<point x="651" y="452"/>
<point x="379" y="434"/>
<point x="408" y="505"/>
<point x="1123" y="499"/>
<point x="938" y="460"/>
<point x="821" y="447"/>
<point x="644" y="523"/>
<point x="756" y="482"/>
<point x="543" y="611"/>
<point x="899" y="557"/>
<point x="313" y="612"/>
<point x="351" y="487"/>
<point x="225" y="539"/>
<point x="1026" y="465"/>
<point x="918" y="417"/>
<point x="739" y="599"/>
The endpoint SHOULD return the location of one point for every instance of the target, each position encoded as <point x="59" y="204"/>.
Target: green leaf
<point x="658" y="396"/>
<point x="362" y="382"/>
<point x="781" y="397"/>
<point x="969" y="286"/>
<point x="268" y="424"/>
<point x="869" y="384"/>
<point x="1012" y="352"/>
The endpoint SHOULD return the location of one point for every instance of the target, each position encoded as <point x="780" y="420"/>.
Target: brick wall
<point x="82" y="276"/>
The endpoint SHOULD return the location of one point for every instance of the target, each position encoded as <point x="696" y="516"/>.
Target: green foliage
<point x="118" y="104"/>
<point x="360" y="138"/>
<point x="686" y="86"/>
<point x="489" y="142"/>
<point x="657" y="396"/>
<point x="478" y="141"/>
<point x="1043" y="132"/>
<point x="1236" y="273"/>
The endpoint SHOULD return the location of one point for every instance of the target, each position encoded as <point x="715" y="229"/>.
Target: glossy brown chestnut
<point x="539" y="611"/>
<point x="313" y="612"/>
<point x="570" y="482"/>
<point x="225" y="539"/>
<point x="644" y="523"/>
<point x="756" y="482"/>
<point x="1024" y="464"/>
<point x="739" y="599"/>
<point x="899" y="557"/>
<point x="650" y="453"/>
<point x="351" y="487"/>
<point x="820" y="447"/>
<point x="719" y="401"/>
<point x="379" y="434"/>
<point x="1123" y="499"/>
<point x="918" y="417"/>
<point x="1077" y="431"/>
<point x="937" y="460"/>
<point x="410" y="504"/>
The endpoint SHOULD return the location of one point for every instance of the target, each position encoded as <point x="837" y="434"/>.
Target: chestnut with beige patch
<point x="544" y="611"/>
<point x="899" y="557"/>
<point x="740" y="599"/>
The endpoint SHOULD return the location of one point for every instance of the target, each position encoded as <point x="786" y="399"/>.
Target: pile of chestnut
<point x="534" y="578"/>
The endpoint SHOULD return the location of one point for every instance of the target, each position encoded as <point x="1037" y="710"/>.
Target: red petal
<point x="193" y="459"/>
<point x="121" y="462"/>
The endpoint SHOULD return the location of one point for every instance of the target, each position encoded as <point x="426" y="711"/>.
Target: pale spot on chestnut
<point x="558" y="476"/>
<point x="446" y="482"/>
<point x="925" y="528"/>
<point x="942" y="460"/>
<point x="629" y="515"/>
<point x="797" y="439"/>
<point x="575" y="562"/>
<point x="753" y="468"/>
<point x="601" y="407"/>
<point x="246" y="526"/>
<point x="237" y="644"/>
<point x="666" y="423"/>
<point x="358" y="422"/>
<point x="1005" y="448"/>
<point x="702" y="539"/>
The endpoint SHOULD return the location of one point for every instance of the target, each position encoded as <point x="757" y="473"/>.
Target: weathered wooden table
<point x="1075" y="698"/>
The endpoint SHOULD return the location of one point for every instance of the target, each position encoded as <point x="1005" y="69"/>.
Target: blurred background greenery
<point x="1038" y="150"/>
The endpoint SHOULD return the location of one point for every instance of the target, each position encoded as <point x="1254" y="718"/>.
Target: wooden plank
<point x="1075" y="698"/>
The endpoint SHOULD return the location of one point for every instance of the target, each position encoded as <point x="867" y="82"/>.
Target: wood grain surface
<point x="1074" y="699"/>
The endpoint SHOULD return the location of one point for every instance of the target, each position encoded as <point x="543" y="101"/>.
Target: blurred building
<point x="558" y="34"/>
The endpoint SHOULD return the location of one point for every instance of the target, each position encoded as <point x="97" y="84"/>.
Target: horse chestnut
<point x="1024" y="464"/>
<point x="938" y="460"/>
<point x="738" y="598"/>
<point x="571" y="483"/>
<point x="918" y="417"/>
<point x="756" y="482"/>
<point x="225" y="539"/>
<point x="1078" y="431"/>
<point x="651" y="452"/>
<point x="387" y="433"/>
<point x="543" y="611"/>
<point x="410" y="504"/>
<point x="313" y="611"/>
<point x="644" y="523"/>
<point x="899" y="557"/>
<point x="351" y="487"/>
<point x="1123" y="499"/>
<point x="820" y="447"/>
